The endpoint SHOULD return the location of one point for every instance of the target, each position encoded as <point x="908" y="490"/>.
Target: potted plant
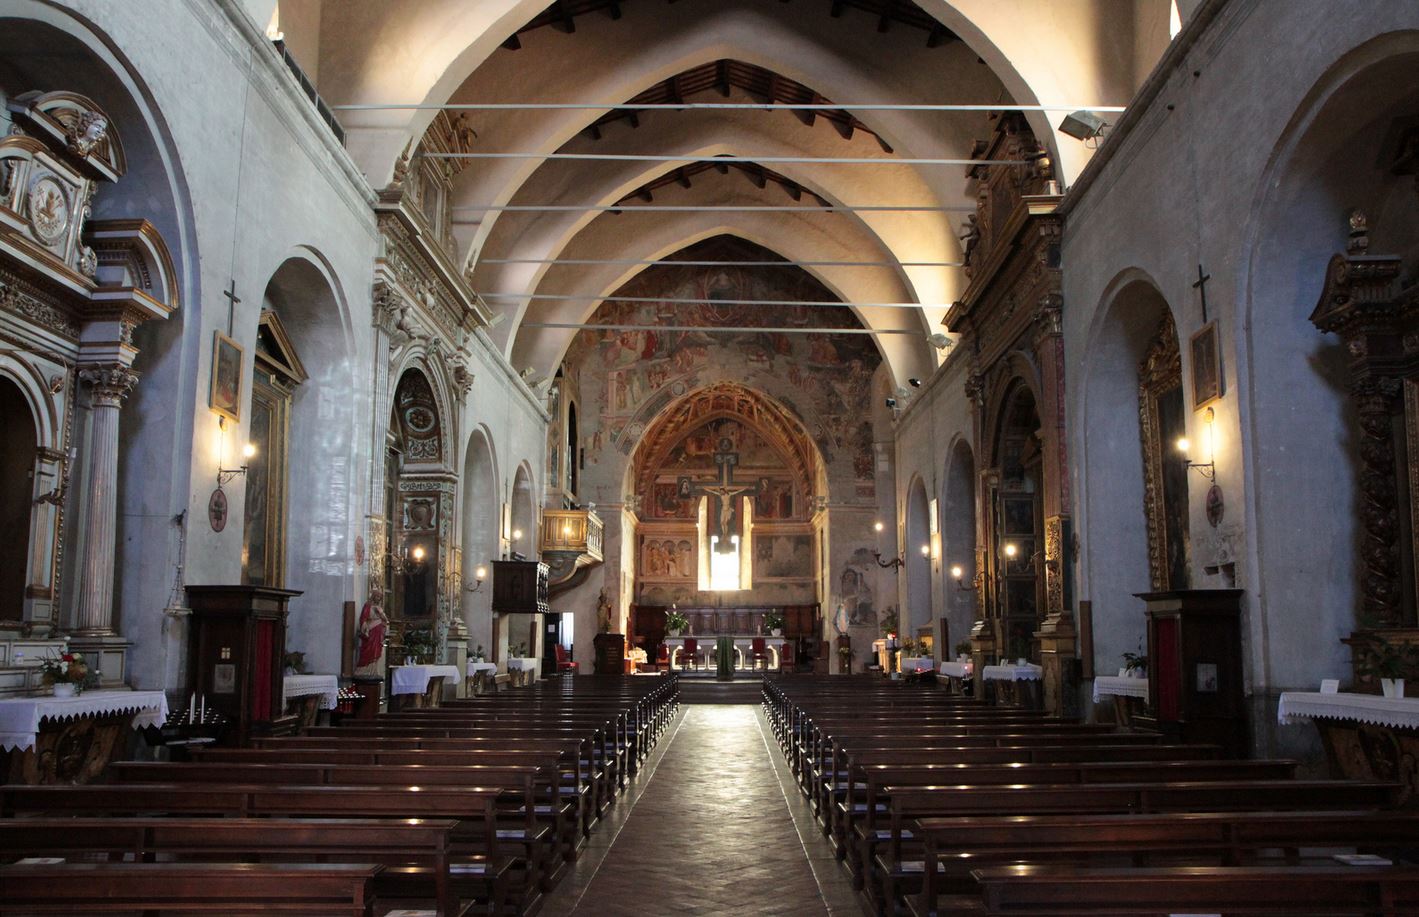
<point x="1135" y="665"/>
<point x="774" y="622"/>
<point x="963" y="650"/>
<point x="295" y="663"/>
<point x="889" y="621"/>
<point x="675" y="623"/>
<point x="845" y="658"/>
<point x="1388" y="661"/>
<point x="67" y="673"/>
<point x="478" y="653"/>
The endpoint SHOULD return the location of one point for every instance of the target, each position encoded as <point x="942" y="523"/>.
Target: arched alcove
<point x="917" y="613"/>
<point x="17" y="461"/>
<point x="524" y="513"/>
<point x="300" y="408"/>
<point x="1133" y="358"/>
<point x="958" y="536"/>
<point x="481" y="524"/>
<point x="1337" y="156"/>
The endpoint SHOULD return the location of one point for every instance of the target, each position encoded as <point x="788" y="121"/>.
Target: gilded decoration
<point x="1159" y="371"/>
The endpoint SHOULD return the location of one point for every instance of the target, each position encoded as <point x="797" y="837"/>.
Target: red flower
<point x="67" y="657"/>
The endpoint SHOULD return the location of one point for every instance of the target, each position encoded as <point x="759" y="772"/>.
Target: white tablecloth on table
<point x="20" y="716"/>
<point x="414" y="679"/>
<point x="918" y="664"/>
<point x="1398" y="712"/>
<point x="1025" y="672"/>
<point x="958" y="669"/>
<point x="1120" y="686"/>
<point x="523" y="664"/>
<point x="327" y="686"/>
<point x="475" y="667"/>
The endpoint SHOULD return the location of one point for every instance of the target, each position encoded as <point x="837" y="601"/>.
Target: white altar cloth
<point x="912" y="664"/>
<point x="958" y="669"/>
<point x="1397" y="712"/>
<point x="523" y="664"/>
<point x="20" y="716"/>
<point x="327" y="686"/>
<point x="1025" y="672"/>
<point x="1120" y="686"/>
<point x="475" y="667"/>
<point x="414" y="679"/>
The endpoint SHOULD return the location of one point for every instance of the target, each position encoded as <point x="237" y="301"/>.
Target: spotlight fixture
<point x="1083" y="125"/>
<point x="892" y="403"/>
<point x="914" y="383"/>
<point x="938" y="340"/>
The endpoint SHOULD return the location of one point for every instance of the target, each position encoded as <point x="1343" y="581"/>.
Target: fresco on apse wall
<point x="629" y="376"/>
<point x="775" y="496"/>
<point x="781" y="557"/>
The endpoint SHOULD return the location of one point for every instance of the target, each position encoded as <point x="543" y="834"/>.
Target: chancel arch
<point x="1134" y="491"/>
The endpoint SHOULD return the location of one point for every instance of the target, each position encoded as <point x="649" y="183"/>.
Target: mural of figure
<point x="686" y="552"/>
<point x="672" y="559"/>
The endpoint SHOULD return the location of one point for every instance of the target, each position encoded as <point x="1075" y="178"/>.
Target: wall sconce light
<point x="1207" y="469"/>
<point x="958" y="574"/>
<point x="926" y="550"/>
<point x="517" y="534"/>
<point x="887" y="564"/>
<point x="410" y="560"/>
<point x="224" y="475"/>
<point x="877" y="526"/>
<point x="480" y="573"/>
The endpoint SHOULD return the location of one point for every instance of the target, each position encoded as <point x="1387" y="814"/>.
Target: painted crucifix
<point x="724" y="520"/>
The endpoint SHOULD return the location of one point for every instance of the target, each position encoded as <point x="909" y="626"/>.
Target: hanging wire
<point x="712" y="106"/>
<point x="827" y="304"/>
<point x="691" y="208"/>
<point x="668" y="263"/>
<point x="582" y="326"/>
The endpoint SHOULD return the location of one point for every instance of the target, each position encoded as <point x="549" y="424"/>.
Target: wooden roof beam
<point x="614" y="11"/>
<point x="566" y="21"/>
<point x="810" y="115"/>
<point x="721" y="77"/>
<point x="886" y="19"/>
<point x="682" y="177"/>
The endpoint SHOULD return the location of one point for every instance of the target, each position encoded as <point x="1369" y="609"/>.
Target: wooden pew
<point x="1384" y="891"/>
<point x="474" y="808"/>
<point x="155" y="888"/>
<point x="414" y="852"/>
<point x="956" y="846"/>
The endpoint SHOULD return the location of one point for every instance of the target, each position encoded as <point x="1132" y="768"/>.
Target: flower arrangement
<point x="1384" y="658"/>
<point x="963" y="648"/>
<point x="295" y="662"/>
<point x="68" y="669"/>
<point x="845" y="656"/>
<point x="1135" y="662"/>
<point x="675" y="622"/>
<point x="773" y="621"/>
<point x="889" y="621"/>
<point x="419" y="644"/>
<point x="478" y="653"/>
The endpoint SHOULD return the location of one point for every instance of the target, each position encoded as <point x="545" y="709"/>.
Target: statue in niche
<point x="373" y="625"/>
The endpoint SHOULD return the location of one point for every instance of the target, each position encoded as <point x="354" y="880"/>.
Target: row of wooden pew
<point x="939" y="804"/>
<point x="473" y="807"/>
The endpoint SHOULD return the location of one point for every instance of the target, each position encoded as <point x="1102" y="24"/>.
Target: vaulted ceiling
<point x="614" y="214"/>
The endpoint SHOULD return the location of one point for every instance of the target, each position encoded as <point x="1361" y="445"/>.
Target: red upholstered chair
<point x="564" y="661"/>
<point x="690" y="653"/>
<point x="785" y="657"/>
<point x="662" y="659"/>
<point x="759" y="651"/>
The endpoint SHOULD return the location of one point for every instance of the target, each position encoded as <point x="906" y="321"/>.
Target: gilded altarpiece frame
<point x="1159" y="372"/>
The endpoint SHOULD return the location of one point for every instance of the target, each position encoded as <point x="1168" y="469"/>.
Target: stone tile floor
<point x="713" y="825"/>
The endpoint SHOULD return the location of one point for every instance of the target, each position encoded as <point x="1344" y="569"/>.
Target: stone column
<point x="109" y="385"/>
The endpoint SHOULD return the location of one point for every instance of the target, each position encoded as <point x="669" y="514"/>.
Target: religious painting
<point x="667" y="556"/>
<point x="774" y="499"/>
<point x="787" y="556"/>
<point x="1206" y="367"/>
<point x="225" y="395"/>
<point x="672" y="500"/>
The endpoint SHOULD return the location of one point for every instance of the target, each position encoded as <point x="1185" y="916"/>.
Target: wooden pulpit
<point x="237" y="646"/>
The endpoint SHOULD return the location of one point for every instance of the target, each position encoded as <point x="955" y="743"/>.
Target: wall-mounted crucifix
<point x="1201" y="287"/>
<point x="725" y="520"/>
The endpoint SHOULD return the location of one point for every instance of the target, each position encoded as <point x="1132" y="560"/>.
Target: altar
<point x="72" y="739"/>
<point x="743" y="645"/>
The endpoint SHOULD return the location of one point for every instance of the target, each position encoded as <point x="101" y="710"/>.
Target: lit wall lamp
<point x="1011" y="550"/>
<point x="480" y="573"/>
<point x="958" y="574"/>
<point x="1207" y="469"/>
<point x="892" y="564"/>
<point x="224" y="475"/>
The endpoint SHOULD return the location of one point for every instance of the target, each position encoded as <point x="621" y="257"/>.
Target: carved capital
<point x="110" y="383"/>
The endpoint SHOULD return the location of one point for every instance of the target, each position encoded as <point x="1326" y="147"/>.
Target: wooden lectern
<point x="238" y="650"/>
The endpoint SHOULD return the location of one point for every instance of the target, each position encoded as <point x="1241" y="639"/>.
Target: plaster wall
<point x="1197" y="180"/>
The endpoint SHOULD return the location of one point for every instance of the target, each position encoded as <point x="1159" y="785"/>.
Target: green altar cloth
<point x="724" y="657"/>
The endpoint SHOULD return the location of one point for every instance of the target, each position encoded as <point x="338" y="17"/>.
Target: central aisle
<point x="713" y="833"/>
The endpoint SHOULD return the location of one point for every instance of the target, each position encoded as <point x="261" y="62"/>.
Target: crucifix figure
<point x="230" y="294"/>
<point x="724" y="522"/>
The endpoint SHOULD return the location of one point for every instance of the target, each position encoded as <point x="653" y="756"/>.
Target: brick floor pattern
<point x="711" y="833"/>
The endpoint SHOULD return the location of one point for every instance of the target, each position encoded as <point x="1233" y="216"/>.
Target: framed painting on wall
<point x="1206" y="367"/>
<point x="225" y="394"/>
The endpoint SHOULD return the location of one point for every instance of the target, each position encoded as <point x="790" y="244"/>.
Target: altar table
<point x="315" y="693"/>
<point x="1366" y="737"/>
<point x="522" y="668"/>
<point x="914" y="664"/>
<point x="482" y="675"/>
<point x="1130" y="695"/>
<point x="424" y="682"/>
<point x="1015" y="684"/>
<point x="743" y="648"/>
<point x="958" y="669"/>
<point x="71" y="739"/>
